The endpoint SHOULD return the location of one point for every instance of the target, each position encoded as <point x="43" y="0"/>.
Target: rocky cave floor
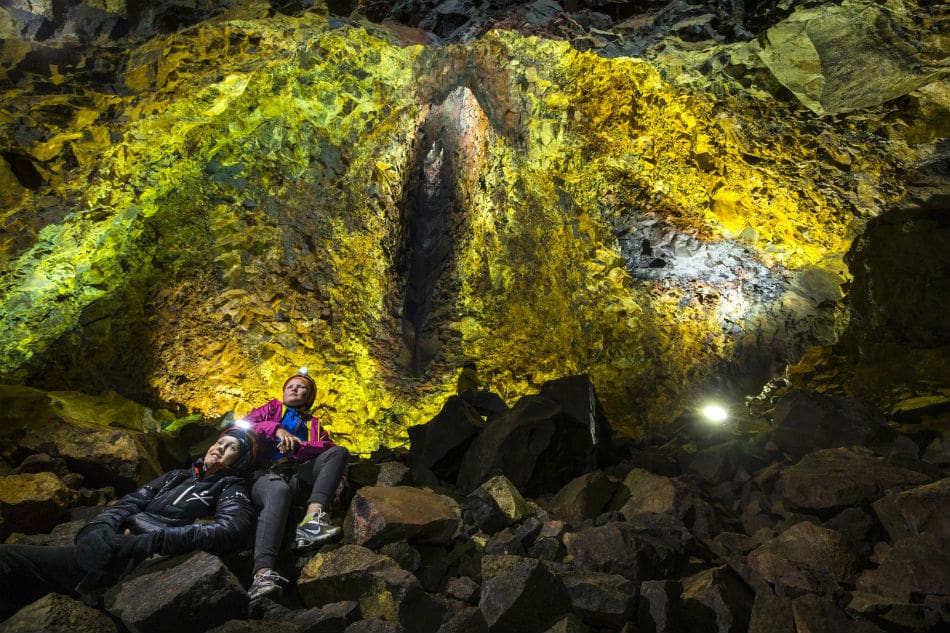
<point x="817" y="515"/>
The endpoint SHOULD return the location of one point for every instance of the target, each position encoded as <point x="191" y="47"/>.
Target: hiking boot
<point x="315" y="531"/>
<point x="265" y="584"/>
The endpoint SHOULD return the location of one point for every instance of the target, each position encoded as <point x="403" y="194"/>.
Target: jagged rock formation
<point x="655" y="195"/>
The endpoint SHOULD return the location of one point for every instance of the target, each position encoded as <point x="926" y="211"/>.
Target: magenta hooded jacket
<point x="266" y="420"/>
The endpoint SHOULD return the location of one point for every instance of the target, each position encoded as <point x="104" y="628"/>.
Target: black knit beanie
<point x="247" y="445"/>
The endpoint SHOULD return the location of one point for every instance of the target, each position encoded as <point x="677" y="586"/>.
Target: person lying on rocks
<point x="158" y="518"/>
<point x="304" y="462"/>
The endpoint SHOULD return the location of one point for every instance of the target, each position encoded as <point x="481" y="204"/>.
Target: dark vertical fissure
<point x="431" y="203"/>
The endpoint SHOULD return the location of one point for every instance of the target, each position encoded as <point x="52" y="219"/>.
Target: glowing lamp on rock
<point x="714" y="413"/>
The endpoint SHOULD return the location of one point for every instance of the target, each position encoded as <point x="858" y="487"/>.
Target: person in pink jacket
<point x="304" y="460"/>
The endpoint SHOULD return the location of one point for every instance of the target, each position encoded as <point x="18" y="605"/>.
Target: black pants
<point x="273" y="496"/>
<point x="29" y="572"/>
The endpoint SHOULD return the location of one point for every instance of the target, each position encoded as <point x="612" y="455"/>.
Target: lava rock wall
<point x="190" y="214"/>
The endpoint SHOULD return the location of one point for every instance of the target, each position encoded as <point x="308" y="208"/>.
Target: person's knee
<point x="276" y="491"/>
<point x="339" y="452"/>
<point x="281" y="495"/>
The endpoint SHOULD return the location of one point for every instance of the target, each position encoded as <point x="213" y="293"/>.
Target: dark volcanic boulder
<point x="918" y="510"/>
<point x="584" y="497"/>
<point x="535" y="445"/>
<point x="382" y="589"/>
<point x="715" y="600"/>
<point x="650" y="546"/>
<point x="771" y="613"/>
<point x="520" y="595"/>
<point x="54" y="613"/>
<point x="828" y="480"/>
<point x="816" y="614"/>
<point x="31" y="503"/>
<point x="188" y="593"/>
<point x="495" y="504"/>
<point x="579" y="401"/>
<point x="657" y="605"/>
<point x="806" y="557"/>
<point x="383" y="514"/>
<point x="805" y="420"/>
<point x="913" y="567"/>
<point x="605" y="600"/>
<point x="440" y="443"/>
<point x="104" y="457"/>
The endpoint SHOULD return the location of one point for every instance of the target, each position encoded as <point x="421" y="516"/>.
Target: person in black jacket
<point x="158" y="518"/>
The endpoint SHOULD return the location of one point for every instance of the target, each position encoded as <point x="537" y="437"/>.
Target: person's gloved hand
<point x="95" y="548"/>
<point x="133" y="548"/>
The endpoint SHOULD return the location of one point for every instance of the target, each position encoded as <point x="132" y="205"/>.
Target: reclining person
<point x="159" y="518"/>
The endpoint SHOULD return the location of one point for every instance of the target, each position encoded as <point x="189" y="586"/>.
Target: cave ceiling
<point x="195" y="202"/>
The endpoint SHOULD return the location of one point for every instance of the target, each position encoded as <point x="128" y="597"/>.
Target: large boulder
<point x="183" y="594"/>
<point x="54" y="613"/>
<point x="496" y="504"/>
<point x="647" y="547"/>
<point x="584" y="497"/>
<point x="895" y="614"/>
<point x="805" y="420"/>
<point x="717" y="463"/>
<point x="806" y="557"/>
<point x="656" y="608"/>
<point x="829" y="480"/>
<point x="915" y="511"/>
<point x="534" y="444"/>
<point x="715" y="600"/>
<point x="104" y="457"/>
<point x="382" y="589"/>
<point x="771" y="613"/>
<point x="384" y="514"/>
<point x="466" y="620"/>
<point x="255" y="626"/>
<point x="912" y="568"/>
<point x="601" y="600"/>
<point x="439" y="444"/>
<point x="520" y="595"/>
<point x="330" y="618"/>
<point x="580" y="404"/>
<point x="32" y="503"/>
<point x="644" y="492"/>
<point x="817" y="614"/>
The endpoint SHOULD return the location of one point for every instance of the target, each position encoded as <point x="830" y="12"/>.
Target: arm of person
<point x="312" y="448"/>
<point x="132" y="503"/>
<point x="233" y="518"/>
<point x="265" y="420"/>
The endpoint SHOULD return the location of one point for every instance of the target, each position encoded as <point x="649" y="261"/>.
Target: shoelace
<point x="316" y="516"/>
<point x="270" y="575"/>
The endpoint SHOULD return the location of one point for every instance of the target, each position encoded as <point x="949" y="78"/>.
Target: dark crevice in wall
<point x="428" y="248"/>
<point x="24" y="170"/>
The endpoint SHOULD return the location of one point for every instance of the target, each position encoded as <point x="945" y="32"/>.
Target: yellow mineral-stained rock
<point x="250" y="199"/>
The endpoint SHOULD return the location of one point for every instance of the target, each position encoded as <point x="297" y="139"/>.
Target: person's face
<point x="225" y="451"/>
<point x="296" y="392"/>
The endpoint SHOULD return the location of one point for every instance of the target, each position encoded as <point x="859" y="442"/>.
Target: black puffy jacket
<point x="172" y="503"/>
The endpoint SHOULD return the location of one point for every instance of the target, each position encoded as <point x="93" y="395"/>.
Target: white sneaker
<point x="264" y="583"/>
<point x="315" y="531"/>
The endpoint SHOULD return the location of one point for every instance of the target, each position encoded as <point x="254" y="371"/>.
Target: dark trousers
<point x="29" y="572"/>
<point x="273" y="496"/>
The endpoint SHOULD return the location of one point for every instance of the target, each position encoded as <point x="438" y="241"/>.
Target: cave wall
<point x="191" y="212"/>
